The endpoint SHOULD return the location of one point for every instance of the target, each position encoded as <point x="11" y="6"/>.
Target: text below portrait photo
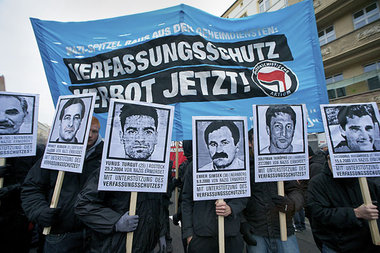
<point x="280" y="129"/>
<point x="139" y="131"/>
<point x="352" y="128"/>
<point x="221" y="143"/>
<point x="18" y="113"/>
<point x="71" y="119"/>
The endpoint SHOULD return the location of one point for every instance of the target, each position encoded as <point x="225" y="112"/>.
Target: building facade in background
<point x="349" y="36"/>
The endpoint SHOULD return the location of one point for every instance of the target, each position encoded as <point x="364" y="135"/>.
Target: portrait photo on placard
<point x="138" y="132"/>
<point x="220" y="145"/>
<point x="280" y="129"/>
<point x="16" y="113"/>
<point x="352" y="127"/>
<point x="71" y="120"/>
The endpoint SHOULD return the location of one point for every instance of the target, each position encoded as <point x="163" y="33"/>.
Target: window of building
<point x="334" y="78"/>
<point x="341" y="92"/>
<point x="366" y="15"/>
<point x="326" y="35"/>
<point x="331" y="94"/>
<point x="373" y="82"/>
<point x="264" y="5"/>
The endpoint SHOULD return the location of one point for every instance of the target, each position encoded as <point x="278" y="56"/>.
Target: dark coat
<point x="100" y="210"/>
<point x="199" y="217"/>
<point x="261" y="212"/>
<point x="330" y="204"/>
<point x="38" y="188"/>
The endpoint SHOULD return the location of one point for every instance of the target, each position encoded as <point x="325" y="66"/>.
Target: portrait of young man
<point x="13" y="112"/>
<point x="138" y="132"/>
<point x="222" y="139"/>
<point x="357" y="124"/>
<point x="70" y="119"/>
<point x="280" y="128"/>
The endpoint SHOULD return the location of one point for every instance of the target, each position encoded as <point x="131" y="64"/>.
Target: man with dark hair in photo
<point x="70" y="119"/>
<point x="280" y="126"/>
<point x="139" y="131"/>
<point x="222" y="140"/>
<point x="13" y="111"/>
<point x="357" y="127"/>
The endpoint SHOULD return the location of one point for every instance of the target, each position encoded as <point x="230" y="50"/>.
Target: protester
<point x="107" y="212"/>
<point x="261" y="230"/>
<point x="199" y="218"/>
<point x="15" y="233"/>
<point x="318" y="160"/>
<point x="338" y="217"/>
<point x="67" y="232"/>
<point x="183" y="168"/>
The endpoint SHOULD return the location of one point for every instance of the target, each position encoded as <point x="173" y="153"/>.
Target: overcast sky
<point x="20" y="60"/>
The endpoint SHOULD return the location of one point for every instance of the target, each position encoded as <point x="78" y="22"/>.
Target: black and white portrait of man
<point x="281" y="133"/>
<point x="224" y="144"/>
<point x="16" y="114"/>
<point x="353" y="128"/>
<point x="140" y="132"/>
<point x="71" y="119"/>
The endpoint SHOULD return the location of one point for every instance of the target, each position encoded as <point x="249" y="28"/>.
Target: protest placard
<point x="352" y="133"/>
<point x="67" y="141"/>
<point x="221" y="161"/>
<point x="280" y="143"/>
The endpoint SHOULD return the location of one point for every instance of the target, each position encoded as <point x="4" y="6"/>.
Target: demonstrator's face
<point x="139" y="136"/>
<point x="70" y="123"/>
<point x="281" y="131"/>
<point x="11" y="115"/>
<point x="359" y="133"/>
<point x="221" y="147"/>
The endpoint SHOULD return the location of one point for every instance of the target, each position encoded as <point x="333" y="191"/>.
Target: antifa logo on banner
<point x="275" y="79"/>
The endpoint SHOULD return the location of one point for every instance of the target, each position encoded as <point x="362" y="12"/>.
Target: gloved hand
<point x="177" y="182"/>
<point x="6" y="191"/>
<point x="162" y="244"/>
<point x="247" y="231"/>
<point x="127" y="223"/>
<point x="176" y="218"/>
<point x="284" y="204"/>
<point x="48" y="217"/>
<point x="4" y="170"/>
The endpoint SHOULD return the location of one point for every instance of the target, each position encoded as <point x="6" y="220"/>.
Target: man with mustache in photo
<point x="222" y="140"/>
<point x="12" y="113"/>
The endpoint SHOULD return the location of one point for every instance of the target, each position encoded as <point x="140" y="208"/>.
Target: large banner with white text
<point x="202" y="64"/>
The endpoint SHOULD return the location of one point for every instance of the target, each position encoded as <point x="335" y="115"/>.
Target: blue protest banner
<point x="202" y="64"/>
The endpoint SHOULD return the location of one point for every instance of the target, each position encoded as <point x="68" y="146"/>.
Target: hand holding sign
<point x="367" y="212"/>
<point x="127" y="223"/>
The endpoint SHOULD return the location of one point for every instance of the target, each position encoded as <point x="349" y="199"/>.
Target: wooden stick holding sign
<point x="176" y="177"/>
<point x="367" y="201"/>
<point x="2" y="163"/>
<point x="283" y="230"/>
<point x="221" y="231"/>
<point x="132" y="211"/>
<point x="55" y="198"/>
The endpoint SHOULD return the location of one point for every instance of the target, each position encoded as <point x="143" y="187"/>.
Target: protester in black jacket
<point x="200" y="223"/>
<point x="262" y="229"/>
<point x="67" y="231"/>
<point x="15" y="235"/>
<point x="338" y="215"/>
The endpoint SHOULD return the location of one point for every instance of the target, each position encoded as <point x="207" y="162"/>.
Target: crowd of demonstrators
<point x="67" y="231"/>
<point x="15" y="229"/>
<point x="261" y="227"/>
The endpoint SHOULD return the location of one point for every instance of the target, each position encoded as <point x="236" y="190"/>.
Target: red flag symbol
<point x="276" y="75"/>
